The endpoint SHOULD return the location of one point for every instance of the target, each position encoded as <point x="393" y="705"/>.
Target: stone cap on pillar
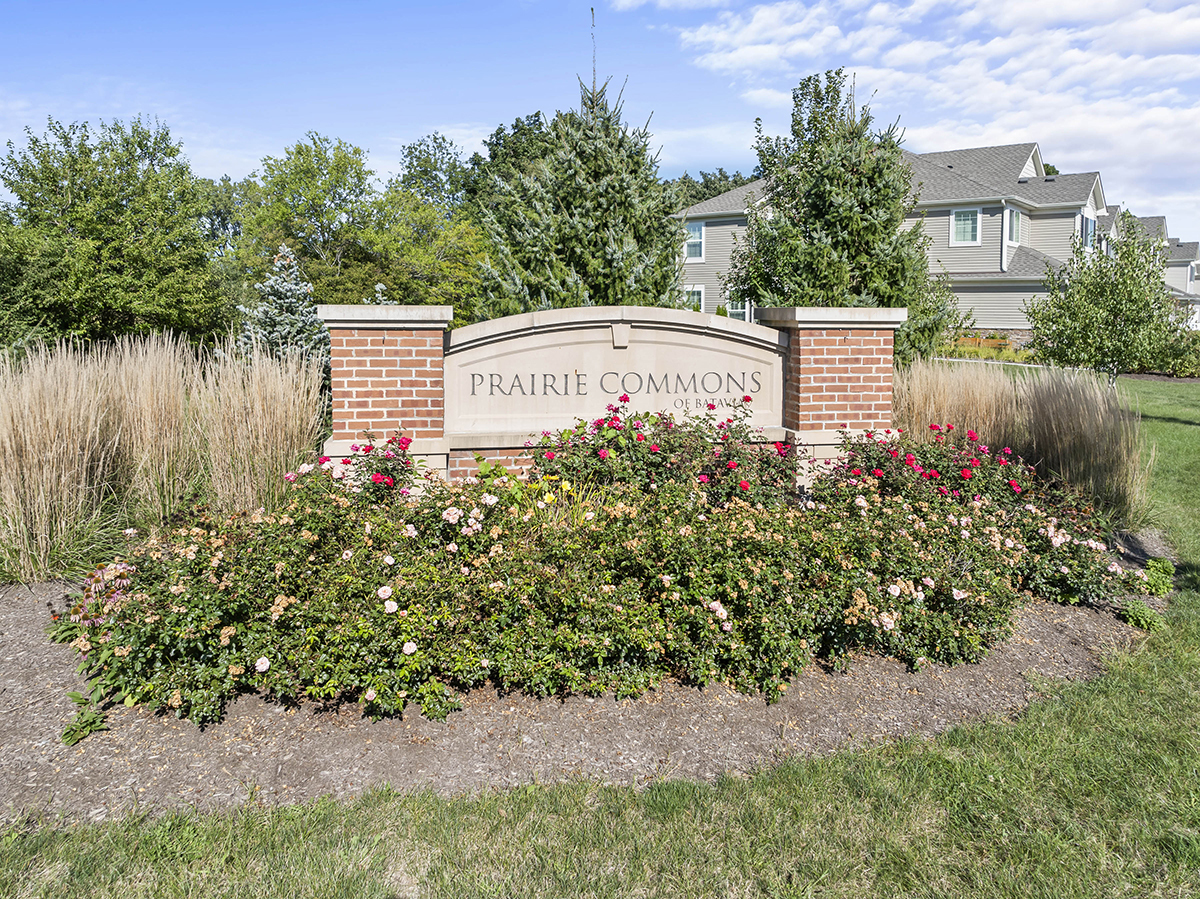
<point x="831" y="317"/>
<point x="386" y="318"/>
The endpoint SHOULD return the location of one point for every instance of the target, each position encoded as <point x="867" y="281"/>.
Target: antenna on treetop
<point x="593" y="50"/>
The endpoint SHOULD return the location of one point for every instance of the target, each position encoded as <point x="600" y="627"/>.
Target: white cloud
<point x="700" y="146"/>
<point x="1112" y="85"/>
<point x="468" y="135"/>
<point x="768" y="97"/>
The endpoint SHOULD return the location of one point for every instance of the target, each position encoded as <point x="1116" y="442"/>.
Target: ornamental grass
<point x="98" y="438"/>
<point x="1068" y="424"/>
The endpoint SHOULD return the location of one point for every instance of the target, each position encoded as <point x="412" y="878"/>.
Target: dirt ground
<point x="274" y="754"/>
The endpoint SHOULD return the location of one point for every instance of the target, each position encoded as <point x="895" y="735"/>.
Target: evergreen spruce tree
<point x="829" y="230"/>
<point x="285" y="318"/>
<point x="588" y="225"/>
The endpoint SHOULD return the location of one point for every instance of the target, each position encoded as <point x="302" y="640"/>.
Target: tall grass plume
<point x="59" y="438"/>
<point x="98" y="438"/>
<point x="1068" y="424"/>
<point x="259" y="415"/>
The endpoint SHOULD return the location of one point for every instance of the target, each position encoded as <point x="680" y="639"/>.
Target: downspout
<point x="1003" y="235"/>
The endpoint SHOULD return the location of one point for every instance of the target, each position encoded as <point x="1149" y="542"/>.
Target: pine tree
<point x="829" y="230"/>
<point x="285" y="318"/>
<point x="589" y="225"/>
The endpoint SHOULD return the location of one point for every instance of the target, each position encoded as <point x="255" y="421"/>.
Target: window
<point x="695" y="241"/>
<point x="693" y="298"/>
<point x="742" y="310"/>
<point x="964" y="228"/>
<point x="1014" y="226"/>
<point x="1087" y="230"/>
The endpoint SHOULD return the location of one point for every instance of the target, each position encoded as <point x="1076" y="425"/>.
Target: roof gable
<point x="732" y="202"/>
<point x="995" y="166"/>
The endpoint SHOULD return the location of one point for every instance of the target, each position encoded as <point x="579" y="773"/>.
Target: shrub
<point x="416" y="590"/>
<point x="1160" y="577"/>
<point x="1135" y="612"/>
<point x="721" y="455"/>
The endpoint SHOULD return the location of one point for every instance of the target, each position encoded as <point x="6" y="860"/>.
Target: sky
<point x="1102" y="85"/>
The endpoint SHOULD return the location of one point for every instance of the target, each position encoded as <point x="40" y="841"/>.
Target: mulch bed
<point x="269" y="753"/>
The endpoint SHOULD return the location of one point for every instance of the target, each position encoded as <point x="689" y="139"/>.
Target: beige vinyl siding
<point x="997" y="306"/>
<point x="1052" y="233"/>
<point x="983" y="258"/>
<point x="718" y="246"/>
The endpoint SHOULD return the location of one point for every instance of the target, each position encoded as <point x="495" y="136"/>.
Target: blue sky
<point x="1104" y="85"/>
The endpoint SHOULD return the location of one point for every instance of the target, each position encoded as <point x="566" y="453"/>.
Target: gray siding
<point x="1177" y="276"/>
<point x="719" y="235"/>
<point x="983" y="258"/>
<point x="1052" y="233"/>
<point x="997" y="306"/>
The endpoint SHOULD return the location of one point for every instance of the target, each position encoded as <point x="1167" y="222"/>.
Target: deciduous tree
<point x="348" y="233"/>
<point x="104" y="236"/>
<point x="1110" y="312"/>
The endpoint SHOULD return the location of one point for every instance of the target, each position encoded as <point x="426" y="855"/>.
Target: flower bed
<point x="621" y="561"/>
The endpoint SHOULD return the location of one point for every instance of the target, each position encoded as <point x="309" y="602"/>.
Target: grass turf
<point x="1093" y="792"/>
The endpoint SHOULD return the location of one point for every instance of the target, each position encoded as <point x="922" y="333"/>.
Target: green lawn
<point x="1094" y="792"/>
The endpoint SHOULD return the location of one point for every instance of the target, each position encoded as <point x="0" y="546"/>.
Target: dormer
<point x="1033" y="167"/>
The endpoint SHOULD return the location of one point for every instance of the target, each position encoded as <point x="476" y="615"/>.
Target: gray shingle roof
<point x="732" y="201"/>
<point x="935" y="183"/>
<point x="1074" y="188"/>
<point x="1183" y="252"/>
<point x="1155" y="226"/>
<point x="947" y="176"/>
<point x="996" y="166"/>
<point x="978" y="172"/>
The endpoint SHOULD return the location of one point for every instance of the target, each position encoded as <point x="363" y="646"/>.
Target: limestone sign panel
<point x="528" y="373"/>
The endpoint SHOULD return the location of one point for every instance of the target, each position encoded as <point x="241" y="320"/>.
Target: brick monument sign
<point x="489" y="388"/>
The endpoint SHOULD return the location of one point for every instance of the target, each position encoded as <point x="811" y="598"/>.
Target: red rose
<point x="966" y="473"/>
<point x="731" y="465"/>
<point x="745" y="485"/>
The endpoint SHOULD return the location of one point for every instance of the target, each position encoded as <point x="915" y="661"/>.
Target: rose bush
<point x="721" y="455"/>
<point x="600" y="573"/>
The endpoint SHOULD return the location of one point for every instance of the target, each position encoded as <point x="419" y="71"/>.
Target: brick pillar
<point x="386" y="368"/>
<point x="838" y="371"/>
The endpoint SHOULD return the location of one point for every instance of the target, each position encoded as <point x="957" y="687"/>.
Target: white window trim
<point x="689" y="288"/>
<point x="978" y="242"/>
<point x="1084" y="218"/>
<point x="749" y="312"/>
<point x="1008" y="227"/>
<point x="700" y="258"/>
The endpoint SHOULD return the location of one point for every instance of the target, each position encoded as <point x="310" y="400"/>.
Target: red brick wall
<point x="385" y="381"/>
<point x="839" y="377"/>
